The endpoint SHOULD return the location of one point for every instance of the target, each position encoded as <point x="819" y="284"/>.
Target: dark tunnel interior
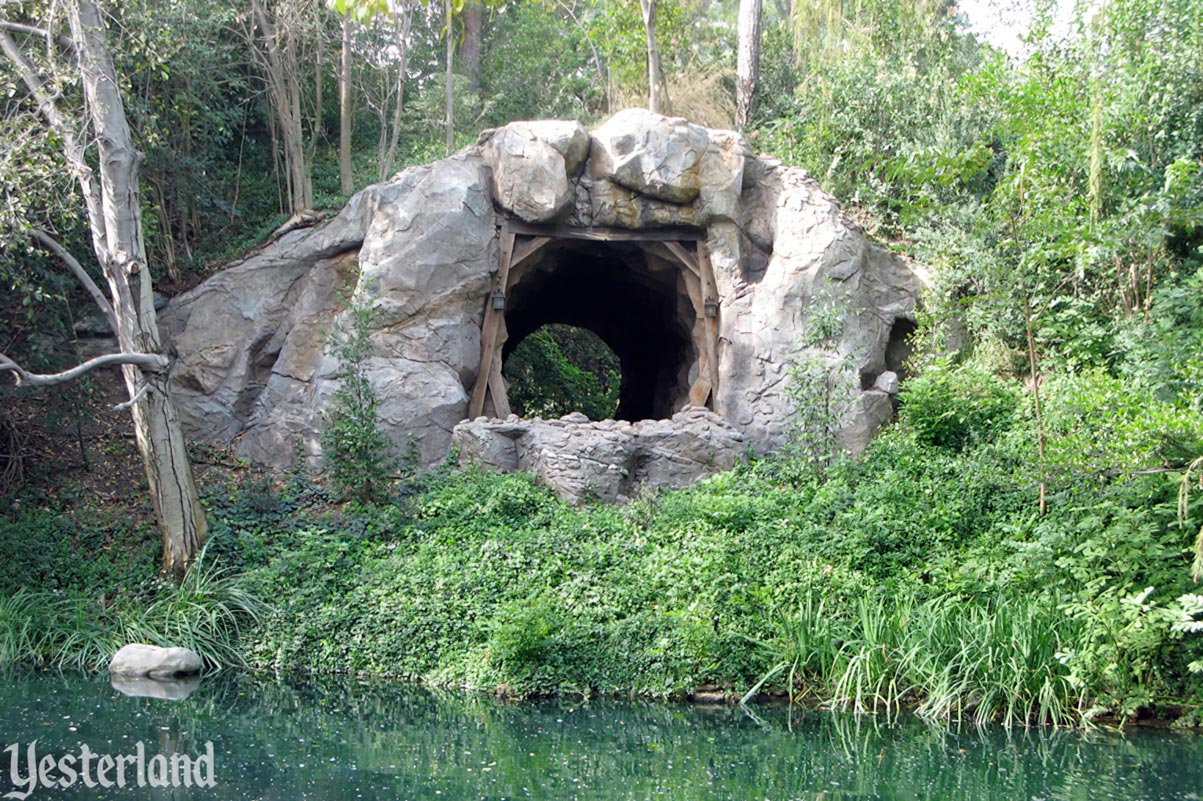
<point x="636" y="309"/>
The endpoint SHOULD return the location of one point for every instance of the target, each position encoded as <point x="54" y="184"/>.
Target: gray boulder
<point x="533" y="165"/>
<point x="657" y="157"/>
<point x="152" y="661"/>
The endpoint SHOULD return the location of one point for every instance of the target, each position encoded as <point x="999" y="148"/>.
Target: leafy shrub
<point x="357" y="452"/>
<point x="46" y="550"/>
<point x="1101" y="425"/>
<point x="957" y="407"/>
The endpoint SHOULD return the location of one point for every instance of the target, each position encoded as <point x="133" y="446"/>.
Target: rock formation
<point x="608" y="459"/>
<point x="140" y="660"/>
<point x="674" y="243"/>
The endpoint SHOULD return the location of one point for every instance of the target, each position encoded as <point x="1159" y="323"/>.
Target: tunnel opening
<point x="559" y="369"/>
<point x="899" y="348"/>
<point x="632" y="299"/>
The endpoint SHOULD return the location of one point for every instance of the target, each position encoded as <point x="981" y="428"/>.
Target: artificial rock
<point x="629" y="231"/>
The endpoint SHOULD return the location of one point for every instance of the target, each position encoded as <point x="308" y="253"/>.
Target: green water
<point x="352" y="740"/>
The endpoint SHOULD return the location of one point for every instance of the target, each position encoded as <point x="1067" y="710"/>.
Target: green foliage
<point x="919" y="574"/>
<point x="50" y="551"/>
<point x="1100" y="424"/>
<point x="1164" y="348"/>
<point x="982" y="658"/>
<point x="358" y="454"/>
<point x="547" y="40"/>
<point x="819" y="390"/>
<point x="207" y="612"/>
<point x="958" y="407"/>
<point x="560" y="369"/>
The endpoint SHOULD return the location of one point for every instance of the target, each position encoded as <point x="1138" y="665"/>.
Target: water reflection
<point x="370" y="740"/>
<point x="163" y="689"/>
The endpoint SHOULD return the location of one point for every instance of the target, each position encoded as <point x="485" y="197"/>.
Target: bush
<point x="206" y="612"/>
<point x="957" y="408"/>
<point x="357" y="452"/>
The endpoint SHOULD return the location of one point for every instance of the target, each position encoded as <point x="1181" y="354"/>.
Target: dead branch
<point x="150" y="362"/>
<point x="79" y="272"/>
<point x="61" y="41"/>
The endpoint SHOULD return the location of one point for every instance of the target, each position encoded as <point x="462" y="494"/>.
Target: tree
<point x="470" y="47"/>
<point x="346" y="181"/>
<point x="747" y="60"/>
<point x="279" y="49"/>
<point x="384" y="56"/>
<point x="450" y="86"/>
<point x="112" y="204"/>
<point x="657" y="89"/>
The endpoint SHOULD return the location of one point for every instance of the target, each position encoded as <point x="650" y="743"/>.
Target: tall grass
<point x="993" y="660"/>
<point x="952" y="659"/>
<point x="206" y="612"/>
<point x="805" y="652"/>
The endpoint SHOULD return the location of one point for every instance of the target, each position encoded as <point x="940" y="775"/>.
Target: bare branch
<point x="67" y="132"/>
<point x="150" y="362"/>
<point x="80" y="274"/>
<point x="61" y="41"/>
<point x="129" y="404"/>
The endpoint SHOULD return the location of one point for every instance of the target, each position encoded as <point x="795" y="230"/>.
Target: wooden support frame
<point x="491" y="327"/>
<point x="710" y="292"/>
<point x="697" y="276"/>
<point x="599" y="234"/>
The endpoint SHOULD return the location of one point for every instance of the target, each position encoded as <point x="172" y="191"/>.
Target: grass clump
<point x="208" y="611"/>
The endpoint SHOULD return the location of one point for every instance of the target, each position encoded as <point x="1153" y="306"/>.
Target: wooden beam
<point x="684" y="256"/>
<point x="527" y="249"/>
<point x="491" y="326"/>
<point x="699" y="390"/>
<point x="710" y="290"/>
<point x="501" y="401"/>
<point x="600" y="234"/>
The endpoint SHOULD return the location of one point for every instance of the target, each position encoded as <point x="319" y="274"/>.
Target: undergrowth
<point x="921" y="575"/>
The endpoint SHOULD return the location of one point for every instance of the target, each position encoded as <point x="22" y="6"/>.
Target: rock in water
<point x="155" y="662"/>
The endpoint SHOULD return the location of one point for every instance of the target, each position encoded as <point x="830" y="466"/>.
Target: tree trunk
<point x="318" y="128"/>
<point x="657" y="89"/>
<point x="345" y="180"/>
<point x="401" y="20"/>
<point x="450" y="78"/>
<point x="122" y="256"/>
<point x="747" y="61"/>
<point x="470" y="49"/>
<point x="284" y="93"/>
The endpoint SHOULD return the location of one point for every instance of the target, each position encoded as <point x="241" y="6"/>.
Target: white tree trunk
<point x="657" y="88"/>
<point x="402" y="19"/>
<point x="345" y="179"/>
<point x="284" y="93"/>
<point x="450" y="99"/>
<point x="747" y="60"/>
<point x="119" y="227"/>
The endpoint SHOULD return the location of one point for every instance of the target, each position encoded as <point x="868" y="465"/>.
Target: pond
<point x="348" y="739"/>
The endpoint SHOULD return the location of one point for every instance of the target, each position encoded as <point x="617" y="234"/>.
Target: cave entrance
<point x="649" y="295"/>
